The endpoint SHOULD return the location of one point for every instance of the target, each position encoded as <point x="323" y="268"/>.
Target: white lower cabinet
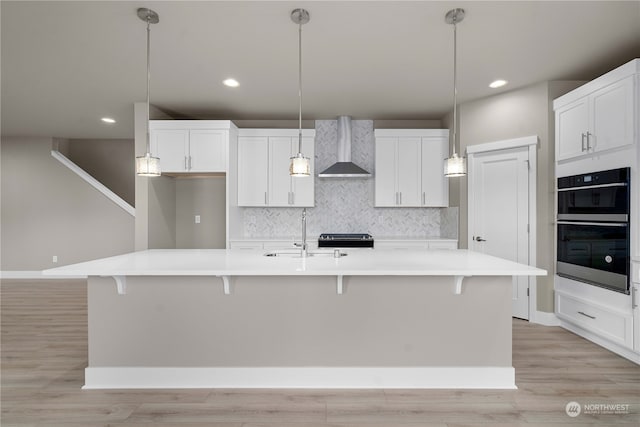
<point x="269" y="245"/>
<point x="595" y="311"/>
<point x="190" y="146"/>
<point x="443" y="244"/>
<point x="409" y="167"/>
<point x="400" y="244"/>
<point x="263" y="168"/>
<point x="600" y="320"/>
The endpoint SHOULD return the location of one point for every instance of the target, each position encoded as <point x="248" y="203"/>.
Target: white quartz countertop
<point x="236" y="262"/>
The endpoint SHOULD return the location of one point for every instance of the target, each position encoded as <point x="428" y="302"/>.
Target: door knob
<point x="479" y="239"/>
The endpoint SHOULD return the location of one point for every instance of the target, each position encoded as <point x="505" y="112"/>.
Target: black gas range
<point x="345" y="240"/>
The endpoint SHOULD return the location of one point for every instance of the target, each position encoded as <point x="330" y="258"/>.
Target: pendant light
<point x="148" y="165"/>
<point x="454" y="165"/>
<point x="300" y="165"/>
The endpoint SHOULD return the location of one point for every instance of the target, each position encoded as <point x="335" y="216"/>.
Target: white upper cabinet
<point x="612" y="116"/>
<point x="409" y="168"/>
<point x="435" y="186"/>
<point x="253" y="171"/>
<point x="572" y="122"/>
<point x="190" y="146"/>
<point x="207" y="150"/>
<point x="596" y="117"/>
<point x="263" y="168"/>
<point x="171" y="146"/>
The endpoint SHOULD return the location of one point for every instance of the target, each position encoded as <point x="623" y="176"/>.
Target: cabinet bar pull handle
<point x="634" y="293"/>
<point x="583" y="137"/>
<point x="293" y="198"/>
<point x="586" y="315"/>
<point x="401" y="197"/>
<point x="589" y="141"/>
<point x="185" y="163"/>
<point x="265" y="197"/>
<point x="423" y="198"/>
<point x="189" y="162"/>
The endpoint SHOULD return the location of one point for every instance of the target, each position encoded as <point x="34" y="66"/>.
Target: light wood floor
<point x="44" y="352"/>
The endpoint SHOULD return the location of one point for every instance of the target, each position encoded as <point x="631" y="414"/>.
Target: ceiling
<point x="67" y="64"/>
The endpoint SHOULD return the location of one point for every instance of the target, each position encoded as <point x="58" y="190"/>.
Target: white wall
<point x="513" y="114"/>
<point x="48" y="210"/>
<point x="110" y="161"/>
<point x="205" y="197"/>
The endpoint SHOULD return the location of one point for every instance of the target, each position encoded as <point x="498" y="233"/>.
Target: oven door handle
<point x="603" y="224"/>
<point x="588" y="187"/>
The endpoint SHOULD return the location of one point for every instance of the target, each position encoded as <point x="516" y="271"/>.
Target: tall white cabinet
<point x="263" y="168"/>
<point x="409" y="168"/>
<point x="598" y="128"/>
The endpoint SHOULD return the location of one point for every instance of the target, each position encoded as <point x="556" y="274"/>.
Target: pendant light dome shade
<point x="300" y="166"/>
<point x="148" y="165"/>
<point x="455" y="165"/>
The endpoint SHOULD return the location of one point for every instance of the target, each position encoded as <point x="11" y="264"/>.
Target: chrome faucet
<point x="303" y="244"/>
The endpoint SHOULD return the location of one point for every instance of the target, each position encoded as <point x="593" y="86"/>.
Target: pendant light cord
<point x="300" y="87"/>
<point x="455" y="80"/>
<point x="148" y="80"/>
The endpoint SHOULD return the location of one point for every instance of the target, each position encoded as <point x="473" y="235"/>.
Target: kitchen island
<point x="238" y="318"/>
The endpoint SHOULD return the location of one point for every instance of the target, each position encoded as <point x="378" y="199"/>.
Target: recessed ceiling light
<point x="497" y="83"/>
<point x="231" y="83"/>
<point x="108" y="120"/>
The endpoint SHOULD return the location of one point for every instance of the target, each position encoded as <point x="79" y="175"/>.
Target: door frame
<point x="528" y="141"/>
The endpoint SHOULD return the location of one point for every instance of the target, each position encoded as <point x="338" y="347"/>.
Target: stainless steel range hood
<point x="344" y="167"/>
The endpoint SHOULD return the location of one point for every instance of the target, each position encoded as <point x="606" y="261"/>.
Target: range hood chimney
<point x="344" y="167"/>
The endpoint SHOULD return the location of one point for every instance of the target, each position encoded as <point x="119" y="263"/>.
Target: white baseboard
<point x="303" y="377"/>
<point x="546" y="319"/>
<point x="613" y="347"/>
<point x="32" y="275"/>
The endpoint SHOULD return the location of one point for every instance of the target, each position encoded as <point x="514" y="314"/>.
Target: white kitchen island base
<point x="315" y="378"/>
<point x="165" y="319"/>
<point x="387" y="332"/>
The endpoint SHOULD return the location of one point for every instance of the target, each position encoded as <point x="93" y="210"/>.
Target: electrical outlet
<point x="54" y="258"/>
<point x="197" y="219"/>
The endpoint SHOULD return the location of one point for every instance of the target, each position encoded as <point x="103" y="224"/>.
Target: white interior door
<point x="499" y="212"/>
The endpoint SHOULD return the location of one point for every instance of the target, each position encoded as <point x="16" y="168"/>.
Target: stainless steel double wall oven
<point x="593" y="228"/>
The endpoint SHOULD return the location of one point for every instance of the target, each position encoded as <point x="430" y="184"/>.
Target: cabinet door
<point x="385" y="172"/>
<point x="207" y="151"/>
<point x="171" y="146"/>
<point x="435" y="186"/>
<point x="279" y="178"/>
<point x="252" y="171"/>
<point x="409" y="166"/>
<point x="612" y="116"/>
<point x="303" y="194"/>
<point x="571" y="129"/>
